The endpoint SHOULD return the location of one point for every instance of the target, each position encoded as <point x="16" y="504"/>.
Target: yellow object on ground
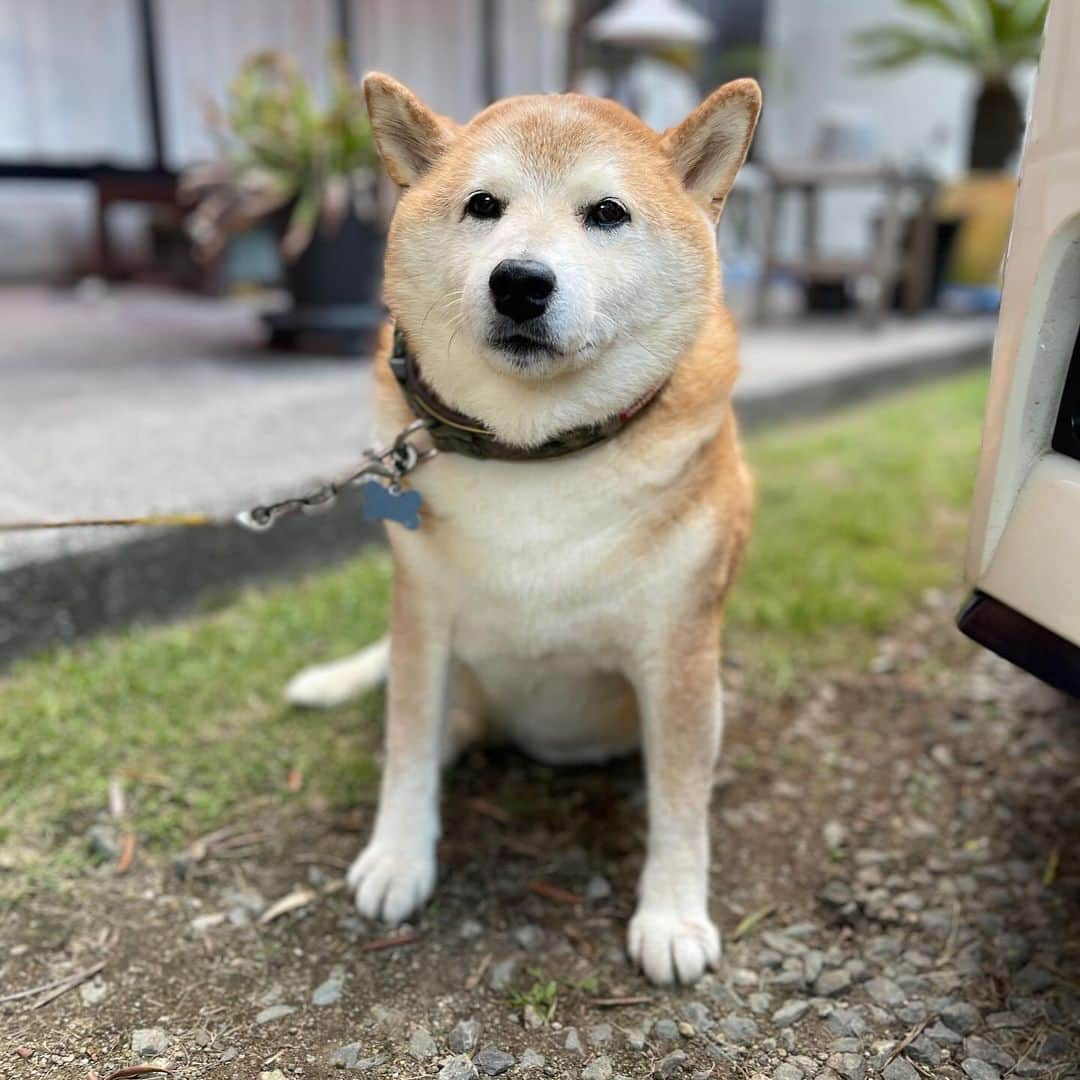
<point x="984" y="203"/>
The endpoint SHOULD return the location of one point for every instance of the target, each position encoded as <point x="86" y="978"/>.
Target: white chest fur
<point x="554" y="559"/>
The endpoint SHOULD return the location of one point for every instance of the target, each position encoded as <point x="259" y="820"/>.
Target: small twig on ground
<point x="298" y="899"/>
<point x="489" y="809"/>
<point x="201" y="923"/>
<point x="519" y="847"/>
<point x="908" y="1039"/>
<point x="238" y="855"/>
<point x="748" y="922"/>
<point x="136" y="1070"/>
<point x="391" y="942"/>
<point x="117" y="801"/>
<point x="251" y="839"/>
<point x="1060" y="975"/>
<point x="1027" y="1050"/>
<point x="554" y="892"/>
<point x="474" y="979"/>
<point x="619" y="1002"/>
<point x="147" y="776"/>
<point x="323" y="860"/>
<point x="950" y="941"/>
<point x="70" y="984"/>
<point x="1053" y="861"/>
<point x="80" y="977"/>
<point x="127" y="853"/>
<point x="199" y="848"/>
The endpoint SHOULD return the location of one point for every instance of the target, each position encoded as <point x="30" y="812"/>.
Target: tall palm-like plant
<point x="989" y="37"/>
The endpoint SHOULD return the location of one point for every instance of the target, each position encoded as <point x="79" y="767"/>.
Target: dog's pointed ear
<point x="410" y="137"/>
<point x="710" y="145"/>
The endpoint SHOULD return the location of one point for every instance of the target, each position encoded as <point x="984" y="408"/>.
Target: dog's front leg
<point x="678" y="685"/>
<point x="395" y="873"/>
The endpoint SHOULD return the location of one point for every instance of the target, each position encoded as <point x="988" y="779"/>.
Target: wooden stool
<point x="886" y="263"/>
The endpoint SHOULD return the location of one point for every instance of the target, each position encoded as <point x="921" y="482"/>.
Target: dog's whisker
<point x="450" y="343"/>
<point x="446" y="301"/>
<point x="423" y="321"/>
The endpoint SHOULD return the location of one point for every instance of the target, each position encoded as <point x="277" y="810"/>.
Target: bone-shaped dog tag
<point x="382" y="503"/>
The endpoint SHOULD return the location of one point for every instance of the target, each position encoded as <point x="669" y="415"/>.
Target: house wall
<point x="920" y="114"/>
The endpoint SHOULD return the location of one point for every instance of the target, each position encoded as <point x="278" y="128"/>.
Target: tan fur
<point x="573" y="606"/>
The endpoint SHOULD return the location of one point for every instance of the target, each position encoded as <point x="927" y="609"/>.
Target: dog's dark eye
<point x="607" y="213"/>
<point x="482" y="204"/>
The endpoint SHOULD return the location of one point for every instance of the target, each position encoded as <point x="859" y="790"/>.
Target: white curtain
<point x="69" y="81"/>
<point x="71" y="70"/>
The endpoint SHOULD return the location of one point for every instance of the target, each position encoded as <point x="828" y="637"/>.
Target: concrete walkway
<point x="144" y="401"/>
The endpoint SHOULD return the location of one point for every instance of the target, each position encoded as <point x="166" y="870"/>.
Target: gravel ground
<point x="895" y="875"/>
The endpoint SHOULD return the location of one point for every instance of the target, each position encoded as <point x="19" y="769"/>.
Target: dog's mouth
<point x="522" y="346"/>
<point x="528" y="353"/>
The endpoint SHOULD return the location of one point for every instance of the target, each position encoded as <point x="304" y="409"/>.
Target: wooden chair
<point x="887" y="260"/>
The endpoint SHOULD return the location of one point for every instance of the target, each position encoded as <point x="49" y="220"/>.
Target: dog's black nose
<point x="520" y="288"/>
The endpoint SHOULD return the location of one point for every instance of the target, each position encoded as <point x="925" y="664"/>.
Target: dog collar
<point x="454" y="432"/>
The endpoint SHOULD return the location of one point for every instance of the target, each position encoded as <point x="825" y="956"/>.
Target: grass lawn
<point x="858" y="515"/>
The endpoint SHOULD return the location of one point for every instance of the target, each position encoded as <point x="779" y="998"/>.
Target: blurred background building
<point x="103" y="103"/>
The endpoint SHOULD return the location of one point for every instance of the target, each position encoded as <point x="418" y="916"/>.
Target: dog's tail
<point x="326" y="685"/>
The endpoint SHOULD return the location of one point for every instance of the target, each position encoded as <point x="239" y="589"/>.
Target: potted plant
<point x="990" y="38"/>
<point x="309" y="171"/>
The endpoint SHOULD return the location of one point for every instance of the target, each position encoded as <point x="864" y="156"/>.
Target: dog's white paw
<point x="669" y="946"/>
<point x="392" y="881"/>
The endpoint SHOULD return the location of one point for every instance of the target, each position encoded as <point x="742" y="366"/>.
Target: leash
<point x="185" y="521"/>
<point x="378" y="475"/>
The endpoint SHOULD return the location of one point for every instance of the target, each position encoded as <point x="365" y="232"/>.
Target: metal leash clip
<point x="390" y="463"/>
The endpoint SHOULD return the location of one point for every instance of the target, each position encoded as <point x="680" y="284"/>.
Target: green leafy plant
<point x="988" y="37"/>
<point x="277" y="148"/>
<point x="543" y="995"/>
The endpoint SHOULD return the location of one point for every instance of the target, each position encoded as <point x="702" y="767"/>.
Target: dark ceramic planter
<point x="334" y="284"/>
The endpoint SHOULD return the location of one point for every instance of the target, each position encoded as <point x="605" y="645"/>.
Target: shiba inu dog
<point x="553" y="278"/>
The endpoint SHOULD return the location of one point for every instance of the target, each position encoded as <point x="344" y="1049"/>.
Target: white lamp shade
<point x="644" y="23"/>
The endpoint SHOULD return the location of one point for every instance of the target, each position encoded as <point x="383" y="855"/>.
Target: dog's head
<point x="552" y="259"/>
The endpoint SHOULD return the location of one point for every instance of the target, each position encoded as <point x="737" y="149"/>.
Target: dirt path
<point x="899" y="850"/>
